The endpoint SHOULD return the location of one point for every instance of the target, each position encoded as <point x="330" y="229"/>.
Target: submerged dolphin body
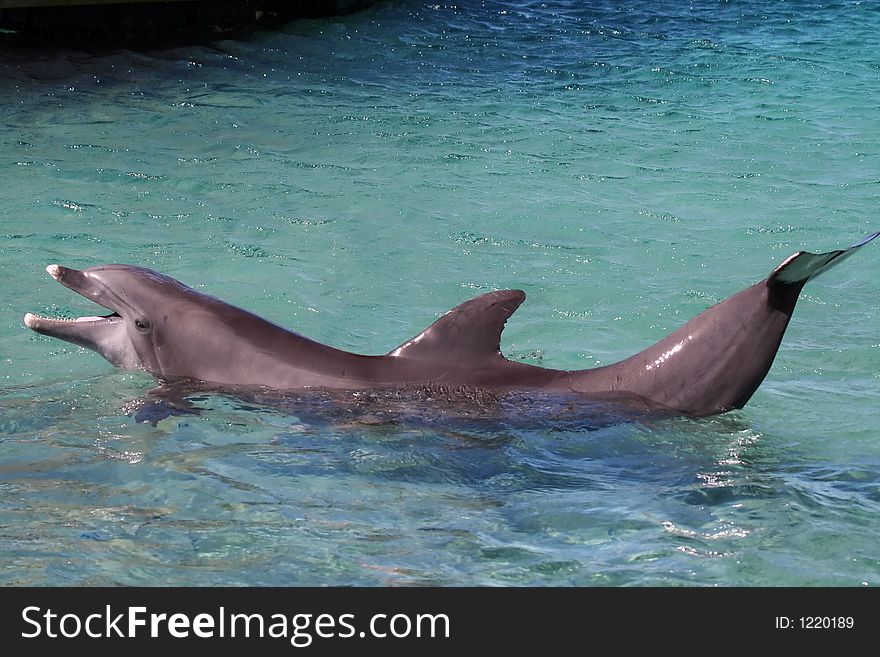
<point x="714" y="363"/>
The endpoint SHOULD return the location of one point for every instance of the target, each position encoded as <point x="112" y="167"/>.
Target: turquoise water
<point x="626" y="165"/>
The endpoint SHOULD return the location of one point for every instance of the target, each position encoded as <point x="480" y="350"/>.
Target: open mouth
<point x="78" y="282"/>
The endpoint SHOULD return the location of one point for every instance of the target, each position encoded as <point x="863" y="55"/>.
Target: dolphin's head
<point x="141" y="302"/>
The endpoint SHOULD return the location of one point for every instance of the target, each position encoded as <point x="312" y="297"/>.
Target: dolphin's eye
<point x="142" y="325"/>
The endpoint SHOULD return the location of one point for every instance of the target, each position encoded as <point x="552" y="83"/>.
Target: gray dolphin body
<point x="714" y="363"/>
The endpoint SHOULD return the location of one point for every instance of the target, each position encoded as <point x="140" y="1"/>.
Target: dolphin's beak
<point x="74" y="279"/>
<point x="84" y="331"/>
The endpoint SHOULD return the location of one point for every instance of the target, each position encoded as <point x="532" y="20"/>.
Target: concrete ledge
<point x="27" y="4"/>
<point x="113" y="20"/>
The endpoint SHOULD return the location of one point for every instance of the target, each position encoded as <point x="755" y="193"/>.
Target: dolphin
<point x="712" y="364"/>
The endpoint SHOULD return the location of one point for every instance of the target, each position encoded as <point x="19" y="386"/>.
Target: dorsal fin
<point x="471" y="331"/>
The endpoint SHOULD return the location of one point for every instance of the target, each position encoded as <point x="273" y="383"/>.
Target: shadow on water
<point x="514" y="441"/>
<point x="493" y="442"/>
<point x="475" y="438"/>
<point x="501" y="487"/>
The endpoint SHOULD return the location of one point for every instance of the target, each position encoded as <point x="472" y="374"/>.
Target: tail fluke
<point x="803" y="266"/>
<point x="717" y="360"/>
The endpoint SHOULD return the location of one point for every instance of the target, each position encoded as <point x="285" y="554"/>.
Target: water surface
<point x="626" y="164"/>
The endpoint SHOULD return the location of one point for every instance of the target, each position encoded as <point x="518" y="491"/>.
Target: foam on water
<point x="353" y="178"/>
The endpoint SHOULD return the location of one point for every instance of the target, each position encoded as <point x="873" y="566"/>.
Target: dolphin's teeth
<point x="54" y="271"/>
<point x="32" y="319"/>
